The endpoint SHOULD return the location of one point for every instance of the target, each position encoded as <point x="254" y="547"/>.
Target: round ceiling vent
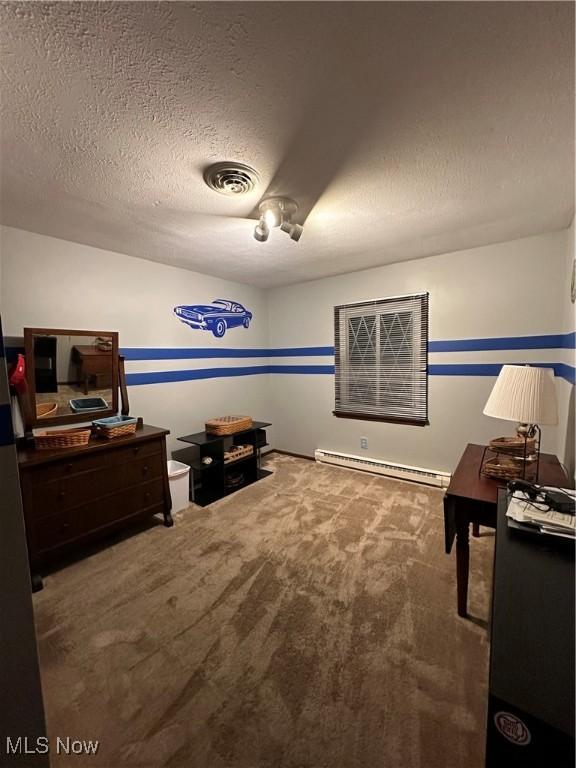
<point x="231" y="178"/>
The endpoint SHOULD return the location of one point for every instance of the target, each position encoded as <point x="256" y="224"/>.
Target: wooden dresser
<point x="76" y="495"/>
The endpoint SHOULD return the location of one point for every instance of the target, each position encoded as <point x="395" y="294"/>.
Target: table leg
<point x="462" y="565"/>
<point x="475" y="530"/>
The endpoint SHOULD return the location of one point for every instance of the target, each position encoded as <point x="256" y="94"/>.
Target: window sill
<point x="386" y="419"/>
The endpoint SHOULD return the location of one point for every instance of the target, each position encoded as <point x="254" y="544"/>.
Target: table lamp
<point x="526" y="395"/>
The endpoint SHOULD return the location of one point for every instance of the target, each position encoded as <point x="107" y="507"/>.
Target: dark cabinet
<point x="531" y="698"/>
<point x="72" y="496"/>
<point x="215" y="474"/>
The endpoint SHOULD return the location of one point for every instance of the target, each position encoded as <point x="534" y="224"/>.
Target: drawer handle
<point x="69" y="467"/>
<point x="62" y="494"/>
<point x="65" y="525"/>
<point x="147" y="495"/>
<point x="145" y="469"/>
<point x="136" y="450"/>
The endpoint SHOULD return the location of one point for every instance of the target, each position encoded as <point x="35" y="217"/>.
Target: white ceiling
<point x="415" y="128"/>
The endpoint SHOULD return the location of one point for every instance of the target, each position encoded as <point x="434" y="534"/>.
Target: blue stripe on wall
<point x="6" y="433"/>
<point x="493" y="369"/>
<point x="565" y="372"/>
<point x="163" y="377"/>
<point x="199" y="353"/>
<point x="458" y="369"/>
<point x="301" y="369"/>
<point x="547" y="341"/>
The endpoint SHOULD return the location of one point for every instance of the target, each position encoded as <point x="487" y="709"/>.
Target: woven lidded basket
<point x="62" y="438"/>
<point x="115" y="426"/>
<point x="228" y="425"/>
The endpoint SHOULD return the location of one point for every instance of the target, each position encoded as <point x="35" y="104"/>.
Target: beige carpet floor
<point x="308" y="621"/>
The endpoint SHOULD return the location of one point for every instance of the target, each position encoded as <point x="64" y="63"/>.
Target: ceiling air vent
<point x="231" y="178"/>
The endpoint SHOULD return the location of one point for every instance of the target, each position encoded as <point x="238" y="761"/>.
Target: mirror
<point x="71" y="375"/>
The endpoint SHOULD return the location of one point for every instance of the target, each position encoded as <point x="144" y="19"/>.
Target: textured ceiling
<point x="407" y="128"/>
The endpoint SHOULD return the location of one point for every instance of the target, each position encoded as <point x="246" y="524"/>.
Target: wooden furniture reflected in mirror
<point x="71" y="375"/>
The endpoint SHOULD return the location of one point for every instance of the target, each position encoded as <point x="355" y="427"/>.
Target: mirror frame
<point x="34" y="421"/>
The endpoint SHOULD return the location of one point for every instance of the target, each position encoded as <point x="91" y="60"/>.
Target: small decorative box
<point x="115" y="426"/>
<point x="228" y="425"/>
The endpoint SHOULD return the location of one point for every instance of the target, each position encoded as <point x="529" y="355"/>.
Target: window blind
<point x="381" y="349"/>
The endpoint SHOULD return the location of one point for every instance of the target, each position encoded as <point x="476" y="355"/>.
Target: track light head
<point x="277" y="212"/>
<point x="261" y="231"/>
<point x="272" y="217"/>
<point x="296" y="232"/>
<point x="293" y="230"/>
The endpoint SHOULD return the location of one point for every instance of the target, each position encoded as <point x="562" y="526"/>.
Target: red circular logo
<point x="512" y="728"/>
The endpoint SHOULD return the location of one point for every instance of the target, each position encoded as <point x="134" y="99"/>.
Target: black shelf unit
<point x="213" y="481"/>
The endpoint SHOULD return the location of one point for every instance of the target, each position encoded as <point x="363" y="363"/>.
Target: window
<point x="382" y="359"/>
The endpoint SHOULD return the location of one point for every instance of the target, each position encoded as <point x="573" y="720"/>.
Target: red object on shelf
<point x="17" y="376"/>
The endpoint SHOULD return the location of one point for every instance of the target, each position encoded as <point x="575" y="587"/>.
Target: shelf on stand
<point x="228" y="464"/>
<point x="212" y="484"/>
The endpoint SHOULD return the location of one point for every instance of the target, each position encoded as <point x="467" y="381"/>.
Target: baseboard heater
<point x="379" y="467"/>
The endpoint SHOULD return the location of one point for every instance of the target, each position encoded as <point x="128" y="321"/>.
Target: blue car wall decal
<point x="216" y="317"/>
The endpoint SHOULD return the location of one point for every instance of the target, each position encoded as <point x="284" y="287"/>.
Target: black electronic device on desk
<point x="543" y="510"/>
<point x="531" y="695"/>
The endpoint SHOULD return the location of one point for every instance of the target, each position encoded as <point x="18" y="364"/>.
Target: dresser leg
<point x="168" y="521"/>
<point x="462" y="565"/>
<point x="37" y="583"/>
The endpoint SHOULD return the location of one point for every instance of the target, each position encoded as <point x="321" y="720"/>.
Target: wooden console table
<point x="473" y="498"/>
<point x="74" y="495"/>
<point x="95" y="365"/>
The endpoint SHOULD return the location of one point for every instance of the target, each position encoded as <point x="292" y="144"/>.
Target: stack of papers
<point x="526" y="513"/>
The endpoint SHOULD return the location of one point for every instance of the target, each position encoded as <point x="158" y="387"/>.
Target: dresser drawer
<point x="53" y="531"/>
<point x="68" y="493"/>
<point x="50" y="532"/>
<point x="146" y="468"/>
<point x="129" y="452"/>
<point x="124" y="504"/>
<point x="66" y="468"/>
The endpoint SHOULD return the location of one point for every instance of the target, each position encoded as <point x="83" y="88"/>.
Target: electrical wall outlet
<point x="364" y="443"/>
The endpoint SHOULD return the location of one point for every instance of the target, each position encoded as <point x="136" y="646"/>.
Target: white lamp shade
<point x="524" y="394"/>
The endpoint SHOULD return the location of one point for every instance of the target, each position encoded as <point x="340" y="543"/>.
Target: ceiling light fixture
<point x="277" y="212"/>
<point x="232" y="179"/>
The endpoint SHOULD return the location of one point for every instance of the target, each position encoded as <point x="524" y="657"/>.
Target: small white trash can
<point x="179" y="477"/>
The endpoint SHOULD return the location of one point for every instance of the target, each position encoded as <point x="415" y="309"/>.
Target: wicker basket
<point x="116" y="426"/>
<point x="228" y="425"/>
<point x="238" y="452"/>
<point x="44" y="410"/>
<point x="506" y="468"/>
<point x="62" y="438"/>
<point x="513" y="445"/>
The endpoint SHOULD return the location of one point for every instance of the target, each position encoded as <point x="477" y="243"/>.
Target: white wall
<point x="48" y="282"/>
<point x="503" y="290"/>
<point x="510" y="289"/>
<point x="564" y="389"/>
